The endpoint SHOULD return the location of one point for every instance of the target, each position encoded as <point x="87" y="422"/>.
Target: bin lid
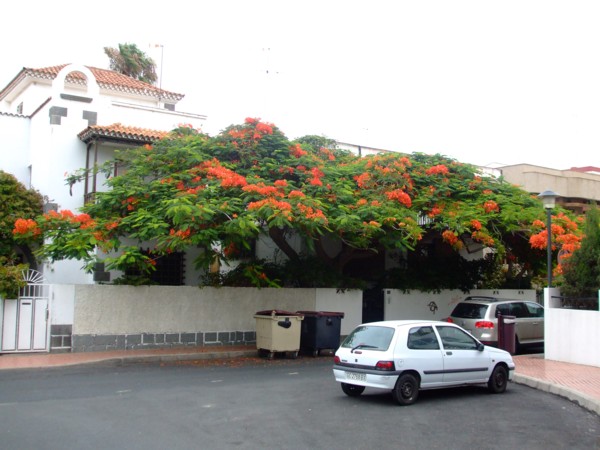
<point x="321" y="313"/>
<point x="277" y="312"/>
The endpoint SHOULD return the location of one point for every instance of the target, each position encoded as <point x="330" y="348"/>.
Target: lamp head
<point x="548" y="199"/>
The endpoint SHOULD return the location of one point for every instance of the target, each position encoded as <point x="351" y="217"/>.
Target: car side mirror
<point x="480" y="346"/>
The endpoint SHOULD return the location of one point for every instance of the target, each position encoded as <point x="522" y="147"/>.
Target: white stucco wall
<point x="14" y="145"/>
<point x="157" y="309"/>
<point x="130" y="309"/>
<point x="438" y="306"/>
<point x="62" y="304"/>
<point x="571" y="335"/>
<point x="348" y="302"/>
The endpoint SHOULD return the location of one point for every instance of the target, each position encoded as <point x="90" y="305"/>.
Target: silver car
<point x="479" y="316"/>
<point x="406" y="356"/>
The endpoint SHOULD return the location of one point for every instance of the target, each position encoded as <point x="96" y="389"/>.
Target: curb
<point x="585" y="401"/>
<point x="133" y="359"/>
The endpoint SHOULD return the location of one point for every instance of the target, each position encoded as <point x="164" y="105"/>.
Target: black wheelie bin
<point x="320" y="330"/>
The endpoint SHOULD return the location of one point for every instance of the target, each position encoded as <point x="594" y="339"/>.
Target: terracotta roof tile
<point x="120" y="133"/>
<point x="586" y="169"/>
<point x="107" y="79"/>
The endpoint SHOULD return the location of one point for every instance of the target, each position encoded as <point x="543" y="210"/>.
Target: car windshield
<point x="369" y="337"/>
<point x="469" y="311"/>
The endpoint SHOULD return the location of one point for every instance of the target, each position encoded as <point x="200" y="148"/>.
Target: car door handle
<point x="449" y="353"/>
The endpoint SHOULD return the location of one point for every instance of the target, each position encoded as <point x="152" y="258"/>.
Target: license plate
<point x="356" y="376"/>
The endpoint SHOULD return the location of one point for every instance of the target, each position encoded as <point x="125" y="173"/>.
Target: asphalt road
<point x="249" y="403"/>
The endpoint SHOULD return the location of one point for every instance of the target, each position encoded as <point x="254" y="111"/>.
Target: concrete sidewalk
<point x="578" y="383"/>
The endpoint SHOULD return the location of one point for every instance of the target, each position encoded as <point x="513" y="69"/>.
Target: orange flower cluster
<point x="296" y="194"/>
<point x="440" y="169"/>
<point x="450" y="237"/>
<point x="261" y="189"/>
<point x="539" y="240"/>
<point x="273" y="203"/>
<point x="250" y="135"/>
<point x="230" y="250"/>
<point x="296" y="151"/>
<point x="327" y="153"/>
<point x="84" y="220"/>
<point x="372" y="223"/>
<point x="484" y="238"/>
<point x="491" y="206"/>
<point x="182" y="234"/>
<point x="569" y="242"/>
<point x="400" y="196"/>
<point x="130" y="202"/>
<point x="476" y="224"/>
<point x="538" y="224"/>
<point x="435" y="211"/>
<point x="264" y="128"/>
<point x="228" y="177"/>
<point x="26" y="226"/>
<point x="362" y="180"/>
<point x="562" y="230"/>
<point x="317" y="174"/>
<point x="65" y="214"/>
<point x="311" y="213"/>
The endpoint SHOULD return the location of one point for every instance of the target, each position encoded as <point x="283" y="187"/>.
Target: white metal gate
<point x="25" y="320"/>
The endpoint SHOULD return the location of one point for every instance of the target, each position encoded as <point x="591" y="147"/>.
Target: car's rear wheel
<point x="498" y="380"/>
<point x="352" y="390"/>
<point x="406" y="390"/>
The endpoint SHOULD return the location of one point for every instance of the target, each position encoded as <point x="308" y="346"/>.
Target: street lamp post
<point x="549" y="201"/>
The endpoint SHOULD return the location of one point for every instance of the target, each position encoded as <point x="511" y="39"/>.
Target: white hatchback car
<point x="406" y="356"/>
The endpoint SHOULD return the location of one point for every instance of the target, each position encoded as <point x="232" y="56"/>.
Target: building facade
<point x="578" y="188"/>
<point x="60" y="119"/>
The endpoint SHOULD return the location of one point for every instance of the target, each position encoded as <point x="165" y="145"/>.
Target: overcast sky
<point x="485" y="82"/>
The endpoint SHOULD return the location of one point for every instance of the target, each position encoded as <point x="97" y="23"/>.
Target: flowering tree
<point x="221" y="193"/>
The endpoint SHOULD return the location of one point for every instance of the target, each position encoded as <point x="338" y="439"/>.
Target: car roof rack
<point x="482" y="297"/>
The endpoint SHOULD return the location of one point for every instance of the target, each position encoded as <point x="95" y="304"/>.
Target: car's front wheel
<point x="352" y="390"/>
<point x="498" y="380"/>
<point x="406" y="390"/>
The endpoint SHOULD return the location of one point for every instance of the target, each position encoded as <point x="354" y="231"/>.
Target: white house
<point x="59" y="119"/>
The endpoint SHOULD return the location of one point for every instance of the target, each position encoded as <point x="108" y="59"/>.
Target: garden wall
<point x="128" y="317"/>
<point x="438" y="306"/>
<point x="571" y="335"/>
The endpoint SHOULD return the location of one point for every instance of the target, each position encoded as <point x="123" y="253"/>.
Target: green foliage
<point x="582" y="270"/>
<point x="436" y="274"/>
<point x="11" y="278"/>
<point x="129" y="60"/>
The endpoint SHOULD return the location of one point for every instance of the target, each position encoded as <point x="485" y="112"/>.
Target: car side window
<point x="456" y="339"/>
<point x="422" y="338"/>
<point x="534" y="309"/>
<point x="503" y="309"/>
<point x="518" y="310"/>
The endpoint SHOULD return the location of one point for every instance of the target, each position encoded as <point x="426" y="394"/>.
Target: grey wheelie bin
<point x="320" y="330"/>
<point x="278" y="331"/>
